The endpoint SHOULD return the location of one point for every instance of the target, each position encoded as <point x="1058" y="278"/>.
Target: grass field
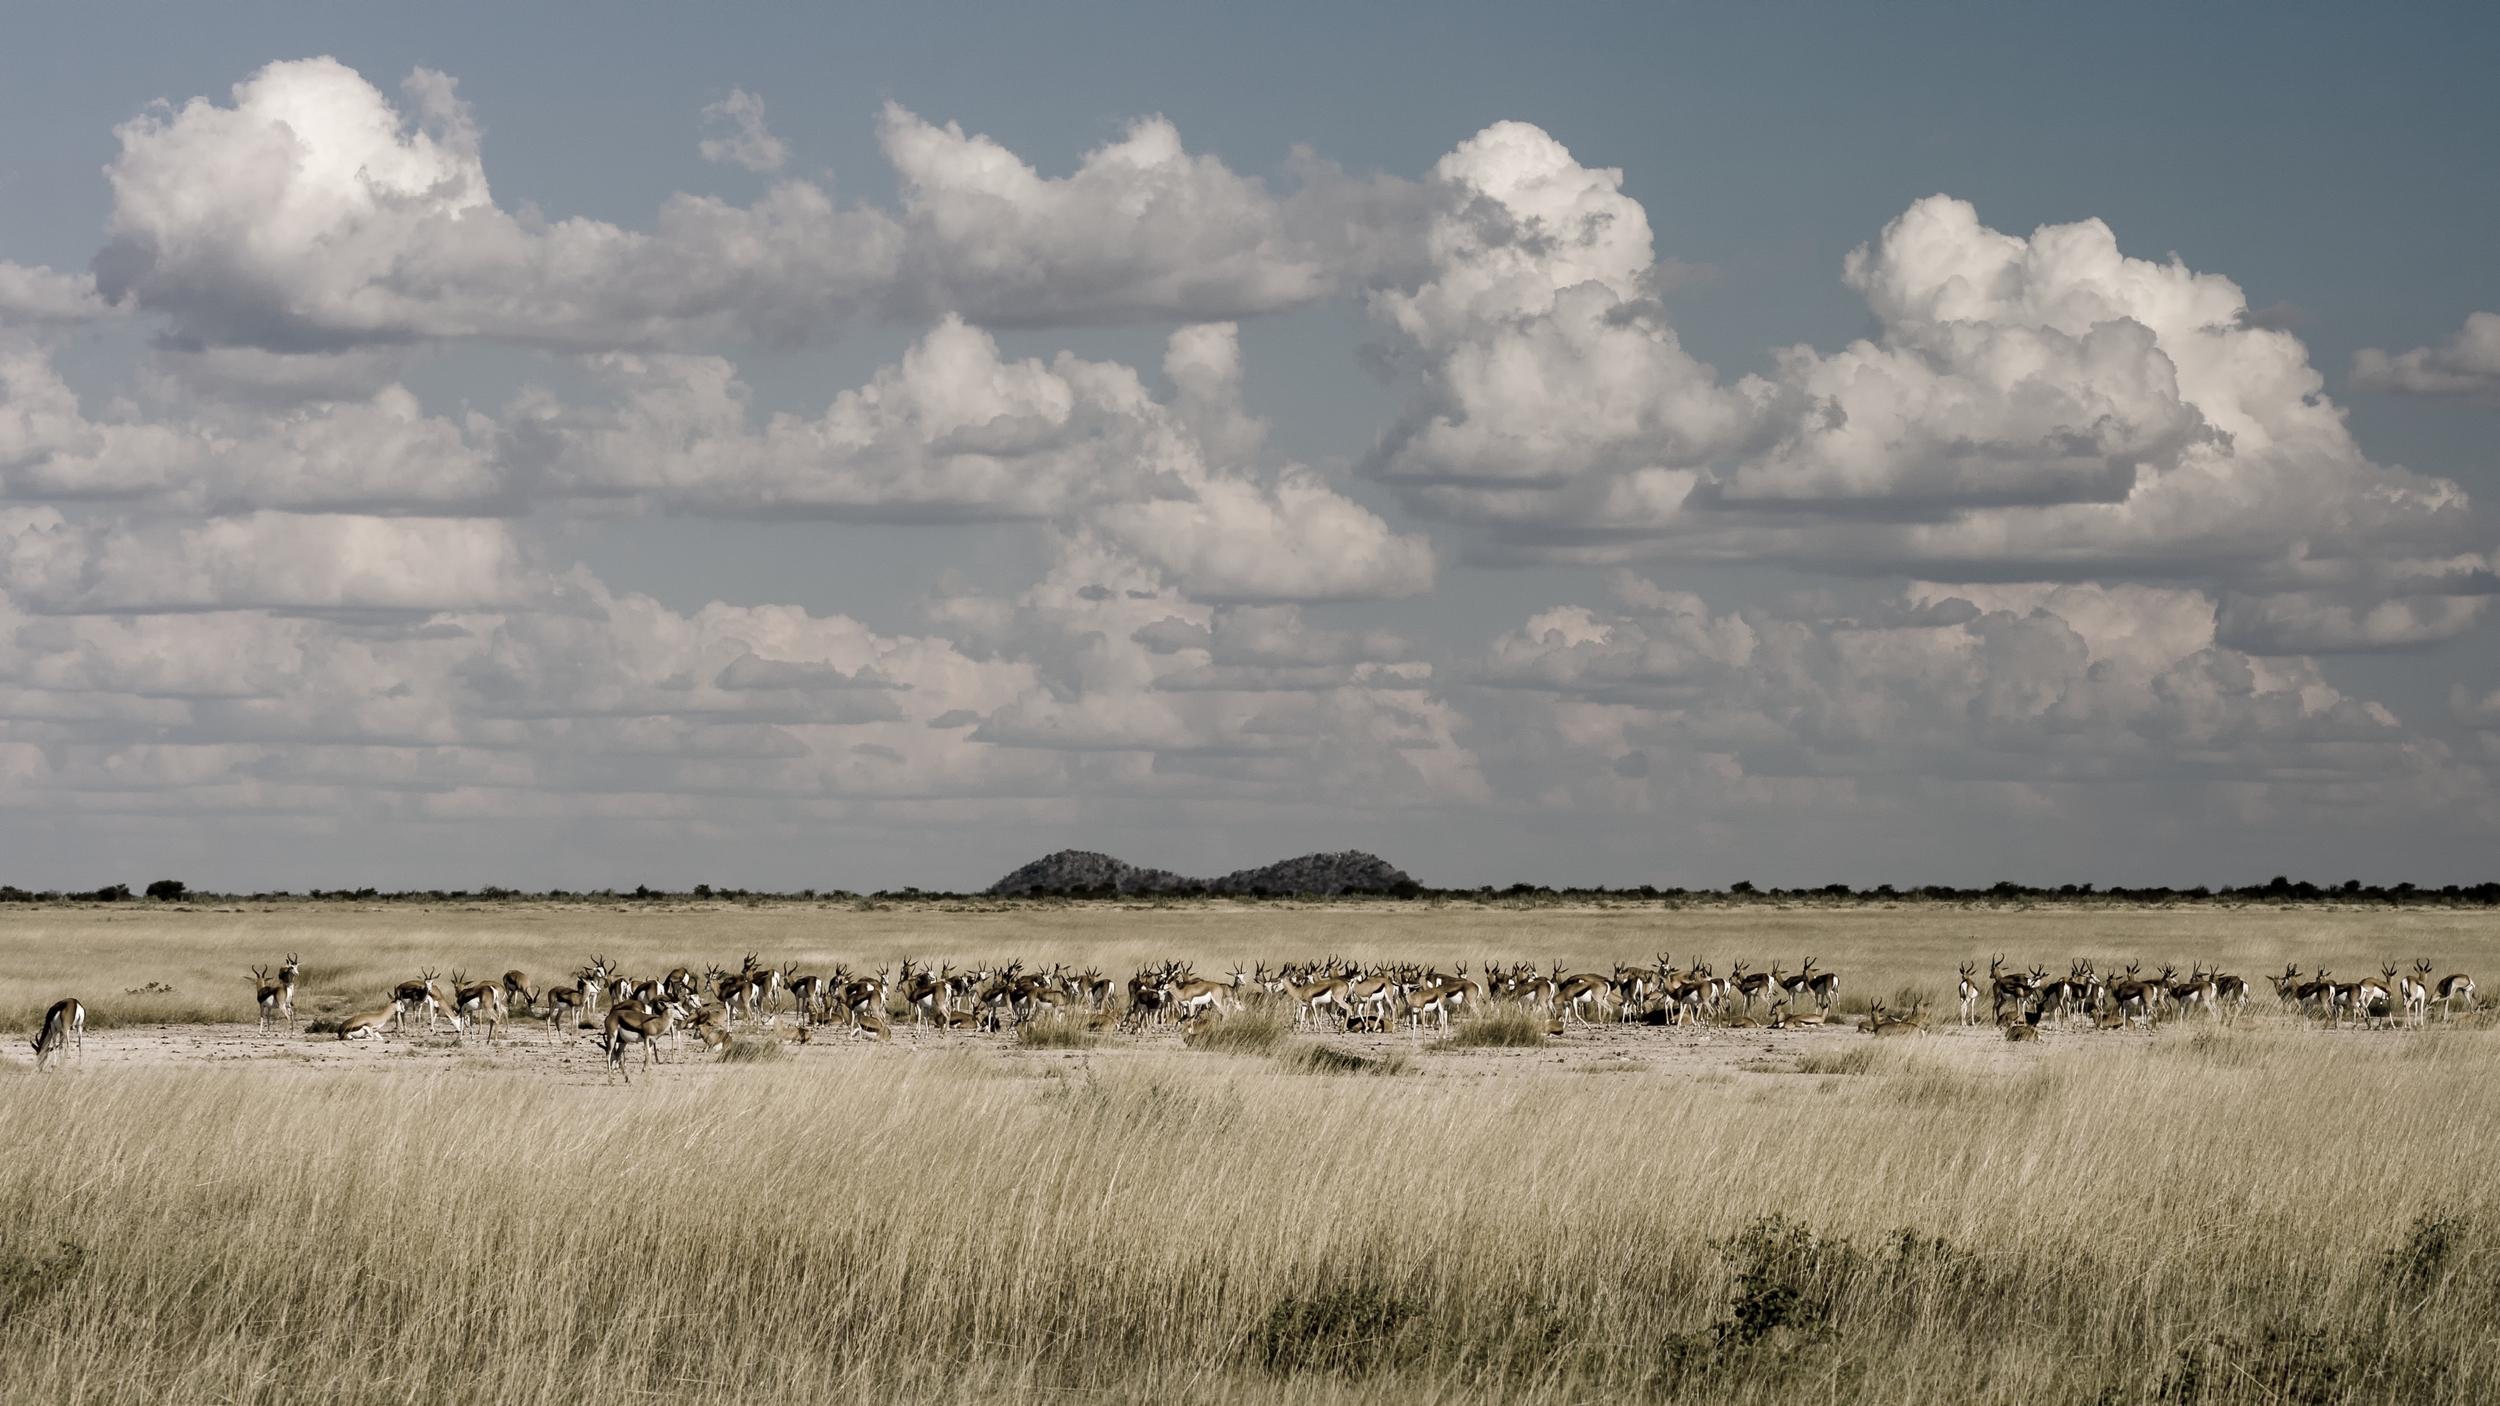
<point x="2267" y="1213"/>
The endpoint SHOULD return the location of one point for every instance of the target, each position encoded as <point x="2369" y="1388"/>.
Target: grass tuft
<point x="751" y="1049"/>
<point x="1054" y="1035"/>
<point x="1506" y="1030"/>
<point x="1314" y="1058"/>
<point x="1246" y="1032"/>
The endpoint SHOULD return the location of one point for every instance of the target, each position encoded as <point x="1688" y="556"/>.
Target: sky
<point x="790" y="446"/>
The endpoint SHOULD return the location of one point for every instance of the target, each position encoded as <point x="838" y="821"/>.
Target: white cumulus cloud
<point x="2466" y="367"/>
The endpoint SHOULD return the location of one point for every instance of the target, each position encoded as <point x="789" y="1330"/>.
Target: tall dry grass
<point x="2250" y="1215"/>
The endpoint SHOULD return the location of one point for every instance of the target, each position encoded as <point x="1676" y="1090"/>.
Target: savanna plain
<point x="2256" y="1210"/>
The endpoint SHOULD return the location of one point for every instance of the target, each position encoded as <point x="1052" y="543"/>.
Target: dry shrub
<point x="1054" y="1035"/>
<point x="1314" y="1058"/>
<point x="1497" y="1030"/>
<point x="1244" y="1032"/>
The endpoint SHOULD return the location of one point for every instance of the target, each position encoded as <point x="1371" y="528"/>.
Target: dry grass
<point x="1499" y="1030"/>
<point x="878" y="1224"/>
<point x="2264" y="1214"/>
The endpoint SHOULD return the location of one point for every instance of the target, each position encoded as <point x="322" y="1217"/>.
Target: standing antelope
<point x="1970" y="993"/>
<point x="1800" y="984"/>
<point x="66" y="1021"/>
<point x="277" y="998"/>
<point x="1824" y="985"/>
<point x="422" y="992"/>
<point x="629" y="1026"/>
<point x="2417" y="993"/>
<point x="516" y="990"/>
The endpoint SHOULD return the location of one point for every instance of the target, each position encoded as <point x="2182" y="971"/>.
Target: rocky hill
<point x="1350" y="872"/>
<point x="1085" y="872"/>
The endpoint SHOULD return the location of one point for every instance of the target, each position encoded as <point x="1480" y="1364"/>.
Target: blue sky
<point x="1374" y="487"/>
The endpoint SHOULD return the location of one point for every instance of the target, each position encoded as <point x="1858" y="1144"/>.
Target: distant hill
<point x="1084" y="871"/>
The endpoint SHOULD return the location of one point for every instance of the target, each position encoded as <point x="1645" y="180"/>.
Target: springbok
<point x="275" y="1000"/>
<point x="482" y="1000"/>
<point x="1970" y="993"/>
<point x="516" y="990"/>
<point x="1824" y="985"/>
<point x="2452" y="989"/>
<point x="367" y="1025"/>
<point x="65" y="1022"/>
<point x="1801" y="984"/>
<point x="629" y="1026"/>
<point x="1752" y="984"/>
<point x="2417" y="993"/>
<point x="410" y="995"/>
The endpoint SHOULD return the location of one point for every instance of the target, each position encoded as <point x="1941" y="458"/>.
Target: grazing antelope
<point x="482" y="1000"/>
<point x="2453" y="989"/>
<point x="64" y="1022"/>
<point x="516" y="990"/>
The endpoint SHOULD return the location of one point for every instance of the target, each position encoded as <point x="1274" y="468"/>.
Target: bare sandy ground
<point x="1711" y="1053"/>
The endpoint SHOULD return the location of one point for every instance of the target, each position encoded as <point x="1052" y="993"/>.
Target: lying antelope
<point x="368" y="1025"/>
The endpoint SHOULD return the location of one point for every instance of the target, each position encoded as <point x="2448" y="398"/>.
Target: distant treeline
<point x="2280" y="889"/>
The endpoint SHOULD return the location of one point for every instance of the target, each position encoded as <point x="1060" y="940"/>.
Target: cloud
<point x="271" y="561"/>
<point x="1141" y="229"/>
<point x="2041" y="408"/>
<point x="40" y="297"/>
<point x="365" y="451"/>
<point x="2466" y="367"/>
<point x="954" y="432"/>
<point x="307" y="217"/>
<point x="754" y="147"/>
<point x="2041" y="687"/>
<point x="1544" y="365"/>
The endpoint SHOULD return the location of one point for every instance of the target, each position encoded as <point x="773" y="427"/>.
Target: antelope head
<point x="260" y="976"/>
<point x="286" y="974"/>
<point x="1969" y="969"/>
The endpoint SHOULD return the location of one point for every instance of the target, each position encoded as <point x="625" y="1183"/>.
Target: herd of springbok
<point x="627" y="1011"/>
<point x="2022" y="1001"/>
